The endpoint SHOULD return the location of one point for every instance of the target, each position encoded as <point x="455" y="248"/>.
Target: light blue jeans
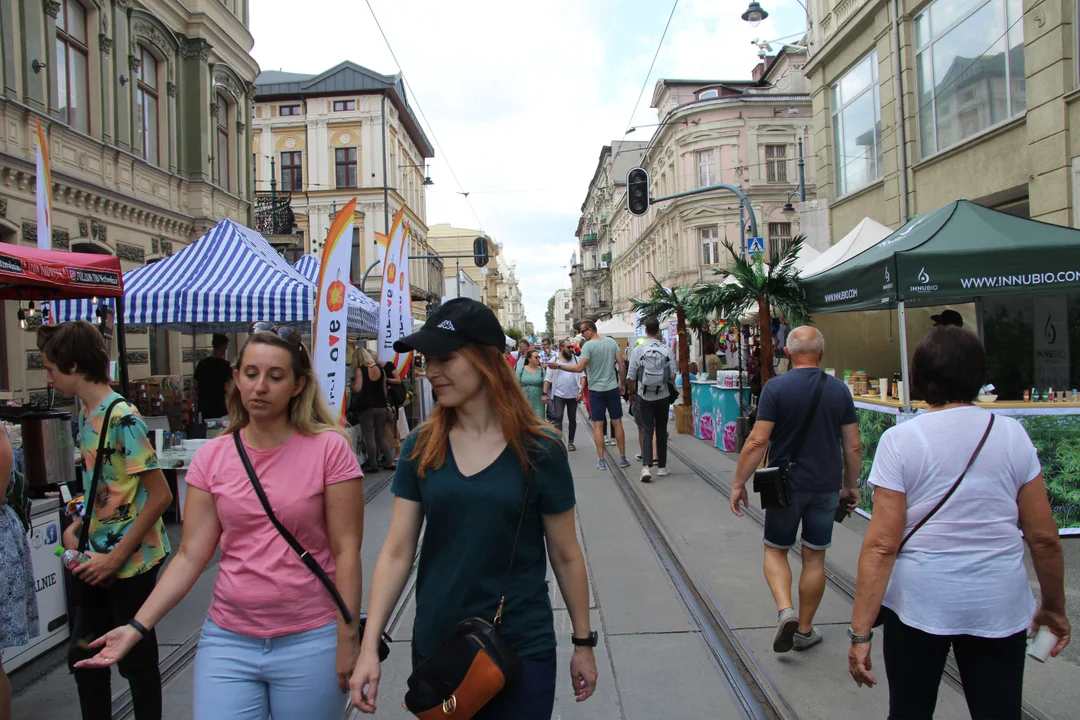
<point x="293" y="677"/>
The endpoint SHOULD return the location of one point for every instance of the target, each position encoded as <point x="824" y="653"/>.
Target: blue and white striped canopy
<point x="224" y="281"/>
<point x="363" y="311"/>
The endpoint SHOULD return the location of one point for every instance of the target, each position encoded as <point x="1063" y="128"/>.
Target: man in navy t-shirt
<point x="826" y="471"/>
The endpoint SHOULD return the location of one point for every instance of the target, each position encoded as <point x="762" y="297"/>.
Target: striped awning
<point x="363" y="311"/>
<point x="224" y="281"/>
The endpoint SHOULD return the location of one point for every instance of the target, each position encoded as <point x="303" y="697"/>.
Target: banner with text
<point x="395" y="301"/>
<point x="43" y="189"/>
<point x="329" y="344"/>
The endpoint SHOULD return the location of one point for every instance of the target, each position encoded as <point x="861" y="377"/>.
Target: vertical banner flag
<point x="395" y="301"/>
<point x="329" y="340"/>
<point x="44" y="192"/>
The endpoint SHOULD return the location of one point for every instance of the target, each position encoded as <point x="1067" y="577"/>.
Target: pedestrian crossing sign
<point x="755" y="246"/>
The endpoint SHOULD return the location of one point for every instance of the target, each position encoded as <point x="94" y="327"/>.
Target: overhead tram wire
<point x="416" y="101"/>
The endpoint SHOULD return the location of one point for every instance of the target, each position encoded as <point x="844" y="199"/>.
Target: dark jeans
<point x="654" y="419"/>
<point x="373" y="429"/>
<point x="531" y="698"/>
<point x="101" y="610"/>
<point x="991" y="670"/>
<point x="567" y="406"/>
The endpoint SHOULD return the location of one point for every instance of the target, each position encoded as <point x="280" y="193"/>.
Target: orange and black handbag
<point x="472" y="665"/>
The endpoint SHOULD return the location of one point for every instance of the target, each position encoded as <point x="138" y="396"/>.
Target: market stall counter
<point x="701" y="398"/>
<point x="1054" y="429"/>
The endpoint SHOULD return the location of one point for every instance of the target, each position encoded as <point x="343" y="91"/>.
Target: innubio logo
<point x="1041" y="278"/>
<point x="924" y="279"/>
<point x="888" y="280"/>
<point x="842" y="295"/>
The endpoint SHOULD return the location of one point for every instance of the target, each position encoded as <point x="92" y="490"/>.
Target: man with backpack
<point x="652" y="369"/>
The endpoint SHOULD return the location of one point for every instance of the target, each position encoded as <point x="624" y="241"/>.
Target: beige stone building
<point x="942" y="101"/>
<point x="146" y="108"/>
<point x="563" y="324"/>
<point x="322" y="140"/>
<point x="448" y="240"/>
<point x="512" y="312"/>
<point x="744" y="133"/>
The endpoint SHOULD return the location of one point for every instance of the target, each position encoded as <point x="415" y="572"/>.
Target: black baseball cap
<point x="949" y="317"/>
<point x="454" y="323"/>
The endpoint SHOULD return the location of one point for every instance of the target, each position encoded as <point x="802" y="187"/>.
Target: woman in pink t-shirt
<point x="274" y="642"/>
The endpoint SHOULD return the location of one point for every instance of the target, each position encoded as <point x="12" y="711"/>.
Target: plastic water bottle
<point x="70" y="559"/>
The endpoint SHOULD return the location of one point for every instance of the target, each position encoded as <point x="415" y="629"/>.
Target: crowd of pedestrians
<point x="486" y="480"/>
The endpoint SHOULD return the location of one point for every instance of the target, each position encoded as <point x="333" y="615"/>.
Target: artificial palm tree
<point x="746" y="283"/>
<point x="661" y="304"/>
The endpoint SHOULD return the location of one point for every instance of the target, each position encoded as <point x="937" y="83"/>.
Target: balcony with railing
<point x="274" y="218"/>
<point x="589" y="238"/>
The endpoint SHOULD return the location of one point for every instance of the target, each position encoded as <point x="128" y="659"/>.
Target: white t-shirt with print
<point x="963" y="572"/>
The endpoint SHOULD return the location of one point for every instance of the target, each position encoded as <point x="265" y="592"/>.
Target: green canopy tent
<point x="956" y="253"/>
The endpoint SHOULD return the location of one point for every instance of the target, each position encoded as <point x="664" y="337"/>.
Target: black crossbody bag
<point x="471" y="666"/>
<point x="772" y="482"/>
<point x="308" y="560"/>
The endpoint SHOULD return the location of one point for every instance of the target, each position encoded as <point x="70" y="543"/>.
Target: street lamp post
<point x="801" y="191"/>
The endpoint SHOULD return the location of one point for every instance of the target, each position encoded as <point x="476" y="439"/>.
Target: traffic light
<point x="637" y="191"/>
<point x="480" y="251"/>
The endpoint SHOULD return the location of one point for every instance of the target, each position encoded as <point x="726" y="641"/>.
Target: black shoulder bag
<point x="772" y="482"/>
<point x="308" y="560"/>
<point x="471" y="666"/>
<point x="90" y="498"/>
<point x="989" y="426"/>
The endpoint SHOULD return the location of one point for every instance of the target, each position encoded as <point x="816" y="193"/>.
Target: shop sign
<point x="1051" y="342"/>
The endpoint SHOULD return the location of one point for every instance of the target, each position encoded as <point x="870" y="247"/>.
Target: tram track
<point x="752" y="688"/>
<point x="182" y="658"/>
<point x="838" y="578"/>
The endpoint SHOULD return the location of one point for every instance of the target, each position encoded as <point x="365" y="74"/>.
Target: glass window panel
<point x="76" y="21"/>
<point x="925" y="73"/>
<point x="63" y="102"/>
<point x="148" y="71"/>
<point x="150" y="118"/>
<point x="140" y="113"/>
<point x="969" y="80"/>
<point x="223" y="159"/>
<point x="859" y="78"/>
<point x="61" y="18"/>
<point x="944" y="13"/>
<point x="922" y="30"/>
<point x="79" y="79"/>
<point x="859" y="145"/>
<point x="1017" y="79"/>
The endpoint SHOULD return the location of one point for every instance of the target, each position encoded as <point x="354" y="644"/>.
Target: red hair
<point x="523" y="430"/>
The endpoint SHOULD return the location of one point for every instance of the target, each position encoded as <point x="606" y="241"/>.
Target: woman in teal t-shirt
<point x="464" y="472"/>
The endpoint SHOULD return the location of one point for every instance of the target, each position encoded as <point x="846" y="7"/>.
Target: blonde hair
<point x="362" y="357"/>
<point x="308" y="412"/>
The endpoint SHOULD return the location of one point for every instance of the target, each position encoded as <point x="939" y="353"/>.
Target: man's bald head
<point x="805" y="345"/>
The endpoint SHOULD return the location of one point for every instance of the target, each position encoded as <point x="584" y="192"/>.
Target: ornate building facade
<point x="146" y="109"/>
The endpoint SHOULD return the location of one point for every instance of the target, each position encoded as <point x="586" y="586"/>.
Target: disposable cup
<point x="883" y="383"/>
<point x="1043" y="643"/>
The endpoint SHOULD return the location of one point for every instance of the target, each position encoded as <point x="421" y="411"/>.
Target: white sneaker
<point x="663" y="472"/>
<point x="646" y="474"/>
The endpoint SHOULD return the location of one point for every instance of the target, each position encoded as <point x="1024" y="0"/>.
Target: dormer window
<point x="708" y="94"/>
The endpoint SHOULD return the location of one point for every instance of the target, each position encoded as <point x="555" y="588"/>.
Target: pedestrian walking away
<point x="811" y="415"/>
<point x="211" y="380"/>
<point x="274" y="643"/>
<point x="530" y="376"/>
<point x="957" y="492"/>
<point x="369" y="405"/>
<point x="652" y="368"/>
<point x="120" y="530"/>
<point x="565" y="390"/>
<point x="489" y="483"/>
<point x="607" y="384"/>
<point x="18" y="600"/>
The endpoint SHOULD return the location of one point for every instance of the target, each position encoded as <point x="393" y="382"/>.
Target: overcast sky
<point x="521" y="96"/>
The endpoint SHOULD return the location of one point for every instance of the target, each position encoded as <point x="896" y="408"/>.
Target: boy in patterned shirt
<point x="127" y="541"/>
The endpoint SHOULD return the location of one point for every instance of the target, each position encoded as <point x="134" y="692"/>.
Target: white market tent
<point x="862" y="237"/>
<point x="363" y="311"/>
<point x="615" y="327"/>
<point x="224" y="281"/>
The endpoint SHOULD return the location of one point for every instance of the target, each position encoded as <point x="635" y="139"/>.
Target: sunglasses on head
<point x="287" y="333"/>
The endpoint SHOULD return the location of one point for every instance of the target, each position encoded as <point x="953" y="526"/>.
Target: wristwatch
<point x="859" y="639"/>
<point x="591" y="641"/>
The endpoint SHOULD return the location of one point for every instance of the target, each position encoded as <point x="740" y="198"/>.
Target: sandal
<point x="571" y="447"/>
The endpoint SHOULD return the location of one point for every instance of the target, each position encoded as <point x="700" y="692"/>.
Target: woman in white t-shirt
<point x="960" y="580"/>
